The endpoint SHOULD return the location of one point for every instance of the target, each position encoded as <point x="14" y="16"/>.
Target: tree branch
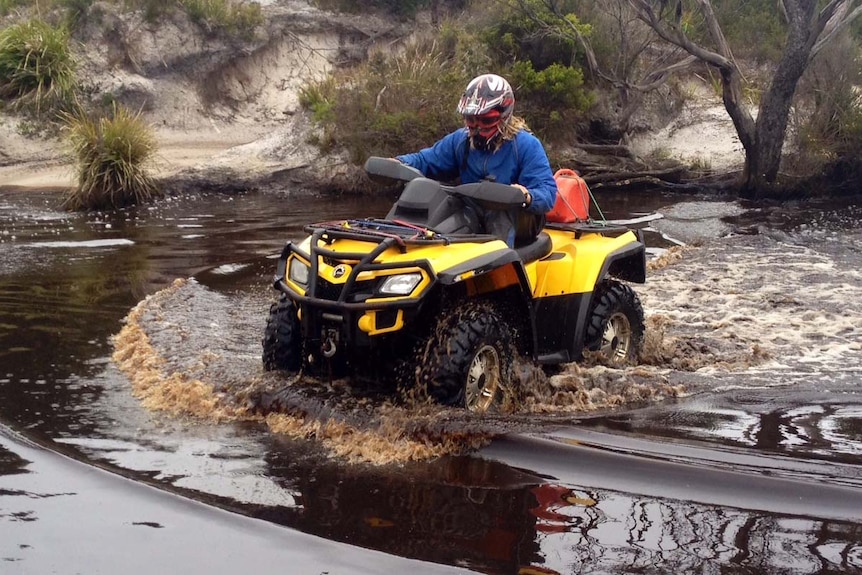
<point x="830" y="32"/>
<point x="675" y="172"/>
<point x="677" y="37"/>
<point x="658" y="77"/>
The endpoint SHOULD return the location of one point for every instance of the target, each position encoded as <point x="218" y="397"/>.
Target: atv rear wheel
<point x="467" y="360"/>
<point x="616" y="326"/>
<point x="282" y="340"/>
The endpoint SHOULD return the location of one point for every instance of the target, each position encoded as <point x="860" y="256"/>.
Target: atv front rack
<point x="401" y="232"/>
<point x="352" y="295"/>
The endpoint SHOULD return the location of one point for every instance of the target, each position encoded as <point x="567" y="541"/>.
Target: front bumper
<point x="347" y="308"/>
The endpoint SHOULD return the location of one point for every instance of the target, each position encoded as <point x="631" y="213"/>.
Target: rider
<point x="493" y="145"/>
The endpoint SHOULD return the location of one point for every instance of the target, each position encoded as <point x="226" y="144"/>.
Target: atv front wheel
<point x="616" y="325"/>
<point x="282" y="340"/>
<point x="467" y="360"/>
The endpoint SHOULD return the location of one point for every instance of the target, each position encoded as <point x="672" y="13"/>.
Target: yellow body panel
<point x="574" y="265"/>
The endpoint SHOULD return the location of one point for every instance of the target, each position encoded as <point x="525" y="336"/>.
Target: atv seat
<point x="539" y="248"/>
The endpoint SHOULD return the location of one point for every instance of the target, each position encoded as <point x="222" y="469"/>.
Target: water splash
<point x="747" y="311"/>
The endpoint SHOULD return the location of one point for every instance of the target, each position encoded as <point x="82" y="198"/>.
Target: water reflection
<point x="11" y="463"/>
<point x="67" y="281"/>
<point x="805" y="425"/>
<point x="495" y="519"/>
<point x="621" y="534"/>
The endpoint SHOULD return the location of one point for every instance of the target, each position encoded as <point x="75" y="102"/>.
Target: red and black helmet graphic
<point x="487" y="93"/>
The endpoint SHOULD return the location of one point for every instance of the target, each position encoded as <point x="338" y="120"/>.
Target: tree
<point x="625" y="66"/>
<point x="808" y="31"/>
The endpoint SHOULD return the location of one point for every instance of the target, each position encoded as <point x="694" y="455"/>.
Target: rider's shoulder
<point x="527" y="136"/>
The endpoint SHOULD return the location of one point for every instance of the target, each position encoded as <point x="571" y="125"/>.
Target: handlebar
<point x="385" y="170"/>
<point x="487" y="193"/>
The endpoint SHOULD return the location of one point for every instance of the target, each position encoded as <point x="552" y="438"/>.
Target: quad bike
<point x="419" y="298"/>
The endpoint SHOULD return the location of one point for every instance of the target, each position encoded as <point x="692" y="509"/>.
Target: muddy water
<point x="131" y="342"/>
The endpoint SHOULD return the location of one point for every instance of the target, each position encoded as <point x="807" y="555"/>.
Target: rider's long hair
<point x="509" y="128"/>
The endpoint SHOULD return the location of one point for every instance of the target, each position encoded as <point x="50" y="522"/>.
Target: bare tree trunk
<point x="763" y="165"/>
<point x="808" y="31"/>
<point x="667" y="26"/>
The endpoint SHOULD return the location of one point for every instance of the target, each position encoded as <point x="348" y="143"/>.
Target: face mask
<point x="483" y="129"/>
<point x="480" y="142"/>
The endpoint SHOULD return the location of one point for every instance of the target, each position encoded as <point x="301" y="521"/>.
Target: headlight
<point x="402" y="284"/>
<point x="298" y="271"/>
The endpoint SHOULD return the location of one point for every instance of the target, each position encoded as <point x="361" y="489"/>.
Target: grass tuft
<point x="37" y="68"/>
<point x="234" y="17"/>
<point x="111" y="153"/>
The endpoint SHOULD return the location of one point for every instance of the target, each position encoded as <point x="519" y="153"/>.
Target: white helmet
<point x="485" y="94"/>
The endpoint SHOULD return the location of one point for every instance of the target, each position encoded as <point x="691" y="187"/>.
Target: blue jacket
<point x="521" y="160"/>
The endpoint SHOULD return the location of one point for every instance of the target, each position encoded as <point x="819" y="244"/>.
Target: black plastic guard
<point x="389" y="170"/>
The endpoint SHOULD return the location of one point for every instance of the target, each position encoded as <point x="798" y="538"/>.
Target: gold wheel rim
<point x="483" y="380"/>
<point x="617" y="339"/>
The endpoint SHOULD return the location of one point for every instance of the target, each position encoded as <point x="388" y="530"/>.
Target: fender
<point x="627" y="263"/>
<point x="478" y="266"/>
<point x="503" y="274"/>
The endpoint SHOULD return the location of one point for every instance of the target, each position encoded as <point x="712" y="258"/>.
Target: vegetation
<point x="784" y="37"/>
<point x="574" y="64"/>
<point x="402" y="103"/>
<point x="545" y="71"/>
<point x="807" y="32"/>
<point x="744" y="20"/>
<point x="397" y="7"/>
<point x="37" y="69"/>
<point x="112" y="153"/>
<point x="391" y="105"/>
<point x="400" y="8"/>
<point x="6" y="6"/>
<point x="233" y="17"/>
<point x="37" y="75"/>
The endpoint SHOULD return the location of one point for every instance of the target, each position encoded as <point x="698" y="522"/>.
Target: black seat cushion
<point x="539" y="248"/>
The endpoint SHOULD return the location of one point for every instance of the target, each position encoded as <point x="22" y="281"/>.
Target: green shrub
<point x="37" y="68"/>
<point x="835" y="127"/>
<point x="541" y="38"/>
<point x="111" y="154"/>
<point x="552" y="100"/>
<point x="320" y="98"/>
<point x="754" y="28"/>
<point x="830" y="127"/>
<point x="538" y="53"/>
<point x="397" y="104"/>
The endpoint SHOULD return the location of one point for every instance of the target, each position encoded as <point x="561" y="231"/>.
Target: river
<point x="138" y="432"/>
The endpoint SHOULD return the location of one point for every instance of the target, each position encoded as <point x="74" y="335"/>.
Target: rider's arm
<point x="440" y="161"/>
<point x="536" y="175"/>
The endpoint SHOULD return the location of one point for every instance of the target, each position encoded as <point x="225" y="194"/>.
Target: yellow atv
<point x="420" y="299"/>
